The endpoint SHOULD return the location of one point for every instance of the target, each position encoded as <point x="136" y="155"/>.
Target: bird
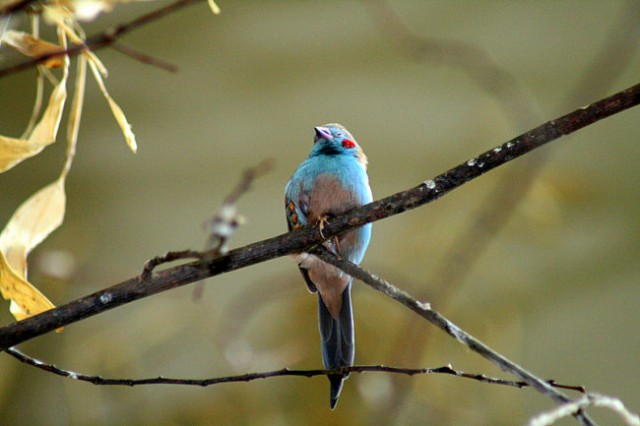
<point x="330" y="182"/>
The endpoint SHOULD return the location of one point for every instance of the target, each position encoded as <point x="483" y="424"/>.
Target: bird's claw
<point x="321" y="223"/>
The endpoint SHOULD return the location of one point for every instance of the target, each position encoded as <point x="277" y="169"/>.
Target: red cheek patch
<point x="348" y="144"/>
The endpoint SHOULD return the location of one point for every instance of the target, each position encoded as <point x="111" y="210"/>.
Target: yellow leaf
<point x="34" y="220"/>
<point x="47" y="128"/>
<point x="77" y="39"/>
<point x="26" y="300"/>
<point x="34" y="47"/>
<point x="214" y="7"/>
<point x="115" y="108"/>
<point x="75" y="114"/>
<point x="13" y="150"/>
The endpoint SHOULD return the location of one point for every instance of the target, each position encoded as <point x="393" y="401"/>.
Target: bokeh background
<point x="423" y="86"/>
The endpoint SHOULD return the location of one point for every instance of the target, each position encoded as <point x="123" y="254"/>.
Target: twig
<point x="98" y="380"/>
<point x="227" y="219"/>
<point x="223" y="219"/>
<point x="424" y="310"/>
<point x="104" y="39"/>
<point x="170" y="256"/>
<point x="144" y="57"/>
<point x="293" y="242"/>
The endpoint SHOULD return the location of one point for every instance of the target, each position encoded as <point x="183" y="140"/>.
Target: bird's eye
<point x="348" y="144"/>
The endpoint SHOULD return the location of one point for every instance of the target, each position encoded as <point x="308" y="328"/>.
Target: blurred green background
<point x="556" y="289"/>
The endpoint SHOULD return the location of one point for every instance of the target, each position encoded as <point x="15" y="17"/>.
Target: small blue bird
<point x="332" y="181"/>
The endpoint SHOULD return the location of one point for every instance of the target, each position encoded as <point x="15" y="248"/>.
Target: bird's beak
<point x="323" y="133"/>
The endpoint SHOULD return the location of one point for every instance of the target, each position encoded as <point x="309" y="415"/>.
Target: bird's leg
<point x="334" y="244"/>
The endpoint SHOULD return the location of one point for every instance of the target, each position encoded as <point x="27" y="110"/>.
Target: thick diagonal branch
<point x="135" y="288"/>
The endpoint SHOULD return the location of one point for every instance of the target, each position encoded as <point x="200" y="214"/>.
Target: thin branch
<point x="227" y="219"/>
<point x="107" y="38"/>
<point x="424" y="310"/>
<point x="144" y="57"/>
<point x="221" y="226"/>
<point x="169" y="256"/>
<point x="294" y="242"/>
<point x="98" y="380"/>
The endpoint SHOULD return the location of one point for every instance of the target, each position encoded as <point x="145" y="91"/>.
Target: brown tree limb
<point x="135" y="288"/>
<point x="98" y="380"/>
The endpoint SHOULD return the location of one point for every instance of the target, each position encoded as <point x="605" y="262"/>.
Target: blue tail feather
<point x="338" y="342"/>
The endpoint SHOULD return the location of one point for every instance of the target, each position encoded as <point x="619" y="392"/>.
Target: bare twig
<point x="424" y="310"/>
<point x="170" y="256"/>
<point x="98" y="380"/>
<point x="144" y="57"/>
<point x="107" y="38"/>
<point x="227" y="218"/>
<point x="135" y="288"/>
<point x="221" y="226"/>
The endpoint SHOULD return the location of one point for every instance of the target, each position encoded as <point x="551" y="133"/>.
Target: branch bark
<point x="446" y="369"/>
<point x="136" y="288"/>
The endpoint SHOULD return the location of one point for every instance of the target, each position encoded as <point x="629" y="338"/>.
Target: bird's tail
<point x="338" y="342"/>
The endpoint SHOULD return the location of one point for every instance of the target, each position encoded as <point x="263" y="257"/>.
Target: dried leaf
<point x="46" y="130"/>
<point x="37" y="105"/>
<point x="214" y="7"/>
<point x="75" y="114"/>
<point x="34" y="220"/>
<point x="13" y="150"/>
<point x="26" y="300"/>
<point x="33" y="47"/>
<point x="115" y="108"/>
<point x="59" y="20"/>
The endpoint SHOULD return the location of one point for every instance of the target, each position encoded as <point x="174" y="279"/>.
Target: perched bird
<point x="332" y="181"/>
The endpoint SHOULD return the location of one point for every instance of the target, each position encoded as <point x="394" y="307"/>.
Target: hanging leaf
<point x="34" y="47"/>
<point x="115" y="108"/>
<point x="14" y="150"/>
<point x="26" y="300"/>
<point x="34" y="220"/>
<point x="214" y="7"/>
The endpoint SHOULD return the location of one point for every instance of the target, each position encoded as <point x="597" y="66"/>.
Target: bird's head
<point x="334" y="139"/>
